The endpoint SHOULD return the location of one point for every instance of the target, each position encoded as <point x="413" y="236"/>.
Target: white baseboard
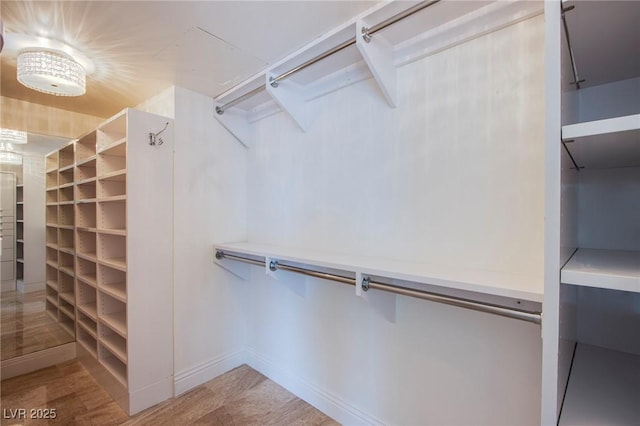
<point x="189" y="379"/>
<point x="332" y="405"/>
<point x="35" y="361"/>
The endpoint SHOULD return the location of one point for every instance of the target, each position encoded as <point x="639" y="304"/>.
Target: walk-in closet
<point x="288" y="212"/>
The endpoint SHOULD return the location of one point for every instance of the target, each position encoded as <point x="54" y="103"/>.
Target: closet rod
<point x="367" y="33"/>
<point x="534" y="317"/>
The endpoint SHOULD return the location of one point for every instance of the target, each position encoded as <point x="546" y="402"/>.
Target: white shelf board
<point x="89" y="309"/>
<point x="116" y="345"/>
<point x="613" y="142"/>
<point x="115" y="263"/>
<point x="612" y="269"/>
<point x="476" y="280"/>
<point x="116" y="290"/>
<point x="603" y="389"/>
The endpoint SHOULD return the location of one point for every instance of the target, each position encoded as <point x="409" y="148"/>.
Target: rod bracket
<point x="155" y="139"/>
<point x="365" y="283"/>
<point x="366" y="36"/>
<point x="273" y="82"/>
<point x="219" y="110"/>
<point x="219" y="254"/>
<point x="273" y="265"/>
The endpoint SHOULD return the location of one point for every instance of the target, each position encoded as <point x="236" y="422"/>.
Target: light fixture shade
<point x="15" y="137"/>
<point x="51" y="72"/>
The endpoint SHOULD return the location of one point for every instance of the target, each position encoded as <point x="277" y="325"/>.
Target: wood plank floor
<point x="240" y="397"/>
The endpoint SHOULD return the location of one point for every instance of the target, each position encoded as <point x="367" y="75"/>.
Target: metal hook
<point x="154" y="139"/>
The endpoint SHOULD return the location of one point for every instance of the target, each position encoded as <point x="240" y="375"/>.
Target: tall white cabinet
<point x="124" y="247"/>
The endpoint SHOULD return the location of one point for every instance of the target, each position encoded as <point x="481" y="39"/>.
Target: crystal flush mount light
<point x="7" y="156"/>
<point x="51" y="72"/>
<point x="48" y="65"/>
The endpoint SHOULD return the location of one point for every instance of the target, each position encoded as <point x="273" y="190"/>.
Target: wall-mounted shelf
<point x="613" y="142"/>
<point x="484" y="282"/>
<point x="612" y="269"/>
<point x="429" y="30"/>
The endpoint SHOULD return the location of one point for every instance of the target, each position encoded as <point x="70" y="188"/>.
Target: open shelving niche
<point x="603" y="386"/>
<point x="20" y="267"/>
<point x="438" y="27"/>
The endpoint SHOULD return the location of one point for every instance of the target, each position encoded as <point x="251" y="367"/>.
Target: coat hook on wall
<point x="154" y="139"/>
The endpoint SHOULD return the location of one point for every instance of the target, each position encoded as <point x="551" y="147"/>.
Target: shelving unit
<point x="60" y="247"/>
<point x="600" y="282"/>
<point x="20" y="232"/>
<point x="113" y="330"/>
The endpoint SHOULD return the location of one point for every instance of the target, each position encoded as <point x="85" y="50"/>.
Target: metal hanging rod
<point x="520" y="314"/>
<point x="574" y="68"/>
<point x="367" y="33"/>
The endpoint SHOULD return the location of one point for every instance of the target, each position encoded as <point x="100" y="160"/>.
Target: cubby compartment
<point x="113" y="160"/>
<point x="52" y="256"/>
<point x="52" y="179"/>
<point x="112" y="215"/>
<point x="86" y="214"/>
<point x="66" y="286"/>
<point x="19" y="194"/>
<point x="111" y="132"/>
<point x="113" y="282"/>
<point x="20" y="231"/>
<point x="66" y="156"/>
<point x="52" y="196"/>
<point x="116" y="367"/>
<point x="67" y="308"/>
<point x="52" y="236"/>
<point x="51" y="161"/>
<point x="52" y="276"/>
<point x="66" y="318"/>
<point x="66" y="263"/>
<point x="51" y="308"/>
<point x="51" y="215"/>
<point x="113" y="186"/>
<point x="52" y="293"/>
<point x="86" y="244"/>
<point x="86" y="191"/>
<point x="113" y="312"/>
<point x="65" y="215"/>
<point x="116" y="344"/>
<point x="86" y="147"/>
<point x="65" y="194"/>
<point x="86" y="170"/>
<point x="86" y="299"/>
<point x="19" y="211"/>
<point x="20" y="270"/>
<point x="20" y="251"/>
<point x="86" y="271"/>
<point x="85" y="338"/>
<point x="88" y="323"/>
<point x="65" y="240"/>
<point x="65" y="177"/>
<point x="112" y="251"/>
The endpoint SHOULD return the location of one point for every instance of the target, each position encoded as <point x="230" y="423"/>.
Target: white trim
<point x="329" y="403"/>
<point x="37" y="360"/>
<point x="208" y="370"/>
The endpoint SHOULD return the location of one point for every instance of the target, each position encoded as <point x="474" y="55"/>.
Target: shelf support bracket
<point x="378" y="55"/>
<point x="289" y="98"/>
<point x="237" y="123"/>
<point x="294" y="282"/>
<point x="240" y="270"/>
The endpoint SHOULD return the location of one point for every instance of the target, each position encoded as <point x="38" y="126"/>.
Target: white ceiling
<point x="142" y="47"/>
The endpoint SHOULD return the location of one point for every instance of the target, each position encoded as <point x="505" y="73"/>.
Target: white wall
<point x="210" y="205"/>
<point x="454" y="176"/>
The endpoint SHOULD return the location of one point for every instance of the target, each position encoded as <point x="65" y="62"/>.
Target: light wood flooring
<point x="25" y="327"/>
<point x="240" y="397"/>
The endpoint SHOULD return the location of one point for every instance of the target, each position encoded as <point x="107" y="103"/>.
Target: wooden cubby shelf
<point x="86" y="249"/>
